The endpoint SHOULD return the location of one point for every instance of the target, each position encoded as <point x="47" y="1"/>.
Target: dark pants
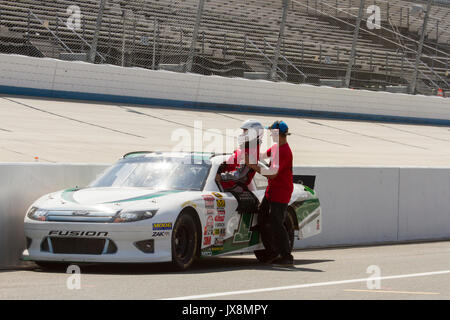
<point x="274" y="235"/>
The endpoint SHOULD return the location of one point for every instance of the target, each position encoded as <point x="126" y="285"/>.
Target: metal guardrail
<point x="264" y="55"/>
<point x="31" y="14"/>
<point x="84" y="41"/>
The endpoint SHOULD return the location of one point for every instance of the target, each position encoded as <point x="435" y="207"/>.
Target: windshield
<point x="155" y="173"/>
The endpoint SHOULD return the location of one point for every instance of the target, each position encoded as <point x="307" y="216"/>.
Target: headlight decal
<point x="37" y="214"/>
<point x="132" y="216"/>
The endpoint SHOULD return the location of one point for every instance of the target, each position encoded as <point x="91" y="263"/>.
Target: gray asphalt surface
<point x="79" y="131"/>
<point x="406" y="271"/>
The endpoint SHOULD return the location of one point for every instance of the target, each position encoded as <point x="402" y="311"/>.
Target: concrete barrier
<point x="80" y="80"/>
<point x="369" y="205"/>
<point x="424" y="204"/>
<point x="23" y="183"/>
<point x="360" y="205"/>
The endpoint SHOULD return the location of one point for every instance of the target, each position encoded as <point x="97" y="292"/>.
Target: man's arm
<point x="269" y="173"/>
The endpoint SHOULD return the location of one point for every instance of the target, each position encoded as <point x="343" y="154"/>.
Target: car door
<point x="230" y="231"/>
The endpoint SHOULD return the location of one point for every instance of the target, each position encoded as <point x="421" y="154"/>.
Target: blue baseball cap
<point x="281" y="126"/>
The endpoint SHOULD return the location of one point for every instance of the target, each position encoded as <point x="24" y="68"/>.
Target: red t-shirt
<point x="281" y="187"/>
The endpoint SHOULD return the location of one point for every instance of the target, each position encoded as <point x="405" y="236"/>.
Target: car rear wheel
<point x="265" y="255"/>
<point x="185" y="240"/>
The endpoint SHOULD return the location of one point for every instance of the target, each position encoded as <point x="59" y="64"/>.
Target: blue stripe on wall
<point x="73" y="95"/>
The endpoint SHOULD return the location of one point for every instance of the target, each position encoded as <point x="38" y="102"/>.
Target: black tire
<point x="185" y="242"/>
<point x="52" y="266"/>
<point x="264" y="255"/>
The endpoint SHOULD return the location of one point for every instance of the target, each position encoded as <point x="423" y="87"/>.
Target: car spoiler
<point x="308" y="181"/>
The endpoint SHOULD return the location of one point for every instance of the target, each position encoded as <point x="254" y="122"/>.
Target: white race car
<point x="157" y="207"/>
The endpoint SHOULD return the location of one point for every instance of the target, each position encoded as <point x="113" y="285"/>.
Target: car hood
<point x="104" y="199"/>
<point x="95" y="196"/>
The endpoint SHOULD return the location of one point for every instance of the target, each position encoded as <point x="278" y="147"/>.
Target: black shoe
<point x="284" y="262"/>
<point x="273" y="258"/>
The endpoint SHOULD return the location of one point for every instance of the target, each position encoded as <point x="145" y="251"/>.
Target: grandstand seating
<point x="315" y="42"/>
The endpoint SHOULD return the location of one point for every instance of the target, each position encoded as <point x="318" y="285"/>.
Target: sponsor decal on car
<point x="217" y="195"/>
<point x="219" y="218"/>
<point x="218" y="248"/>
<point x="160" y="234"/>
<point x="189" y="203"/>
<point x="66" y="233"/>
<point x="207" y="241"/>
<point x="207" y="252"/>
<point x="209" y="201"/>
<point x="219" y="232"/>
<point x="208" y="232"/>
<point x="162" y="226"/>
<point x="209" y="226"/>
<point x="220" y="203"/>
<point x="210" y="211"/>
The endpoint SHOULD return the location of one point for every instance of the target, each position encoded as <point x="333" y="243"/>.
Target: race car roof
<point x="203" y="155"/>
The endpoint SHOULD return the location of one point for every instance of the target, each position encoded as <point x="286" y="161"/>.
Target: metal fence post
<point x="387" y="65"/>
<point x="109" y="37"/>
<point x="154" y="44"/>
<point x="245" y="47"/>
<point x="419" y="51"/>
<point x="28" y="25"/>
<point x="201" y="5"/>
<point x="203" y="42"/>
<point x="401" y="17"/>
<point x="57" y="25"/>
<point x="407" y="18"/>
<point x="93" y="51"/>
<point x="225" y="44"/>
<point x="437" y="33"/>
<point x="303" y="52"/>
<point x="355" y="40"/>
<point x="320" y="53"/>
<point x="403" y="64"/>
<point x="84" y="35"/>
<point x="123" y="39"/>
<point x="338" y="54"/>
<point x="388" y="11"/>
<point x="280" y="38"/>
<point x="133" y="53"/>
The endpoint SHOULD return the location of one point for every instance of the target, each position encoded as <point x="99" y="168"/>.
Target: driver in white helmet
<point x="235" y="172"/>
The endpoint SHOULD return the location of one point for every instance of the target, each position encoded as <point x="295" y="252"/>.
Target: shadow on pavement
<point x="206" y="265"/>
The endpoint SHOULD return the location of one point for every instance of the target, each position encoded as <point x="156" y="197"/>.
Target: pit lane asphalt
<point x="406" y="271"/>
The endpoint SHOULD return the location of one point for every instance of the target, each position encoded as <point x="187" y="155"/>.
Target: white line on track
<point x="308" y="285"/>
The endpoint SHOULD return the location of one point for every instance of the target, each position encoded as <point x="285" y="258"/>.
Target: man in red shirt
<point x="272" y="212"/>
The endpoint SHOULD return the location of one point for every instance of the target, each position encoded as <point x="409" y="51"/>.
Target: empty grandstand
<point x="240" y="38"/>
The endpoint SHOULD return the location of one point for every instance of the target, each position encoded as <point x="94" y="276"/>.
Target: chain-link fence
<point x="299" y="41"/>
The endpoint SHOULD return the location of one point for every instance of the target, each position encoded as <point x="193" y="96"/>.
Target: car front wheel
<point x="185" y="240"/>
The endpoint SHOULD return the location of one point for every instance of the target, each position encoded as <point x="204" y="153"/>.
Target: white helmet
<point x="255" y="131"/>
